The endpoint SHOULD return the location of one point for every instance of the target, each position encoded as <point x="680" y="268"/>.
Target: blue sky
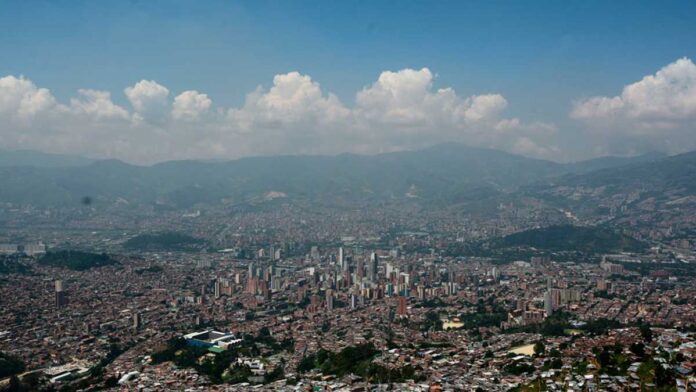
<point x="542" y="56"/>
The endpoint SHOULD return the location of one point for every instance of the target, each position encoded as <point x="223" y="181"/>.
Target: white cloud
<point x="294" y="98"/>
<point x="20" y="98"/>
<point x="407" y="112"/>
<point x="406" y="97"/>
<point x="657" y="112"/>
<point x="669" y="95"/>
<point x="97" y="105"/>
<point x="149" y="99"/>
<point x="400" y="110"/>
<point x="190" y="105"/>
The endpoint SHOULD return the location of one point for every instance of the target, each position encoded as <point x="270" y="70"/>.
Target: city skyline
<point x="347" y="196"/>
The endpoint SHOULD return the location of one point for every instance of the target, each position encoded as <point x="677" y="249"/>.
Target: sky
<point x="147" y="81"/>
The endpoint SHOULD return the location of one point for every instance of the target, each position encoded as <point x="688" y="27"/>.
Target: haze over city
<point x="347" y="196"/>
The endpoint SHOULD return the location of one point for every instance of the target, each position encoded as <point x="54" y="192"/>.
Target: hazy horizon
<point x="347" y="195"/>
<point x="90" y="159"/>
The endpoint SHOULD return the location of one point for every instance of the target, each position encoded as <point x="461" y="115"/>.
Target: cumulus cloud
<point x="149" y="100"/>
<point x="293" y="98"/>
<point x="21" y="99"/>
<point x="407" y="97"/>
<point x="400" y="110"/>
<point x="406" y="111"/>
<point x="190" y="105"/>
<point x="97" y="105"/>
<point x="658" y="111"/>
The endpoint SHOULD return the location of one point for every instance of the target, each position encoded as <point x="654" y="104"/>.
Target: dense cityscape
<point x="286" y="298"/>
<point x="347" y="196"/>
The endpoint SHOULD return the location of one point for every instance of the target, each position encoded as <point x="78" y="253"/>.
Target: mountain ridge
<point x="439" y="173"/>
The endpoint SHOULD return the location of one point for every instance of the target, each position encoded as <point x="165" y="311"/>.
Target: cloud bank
<point x="400" y="110"/>
<point x="657" y="112"/>
<point x="294" y="115"/>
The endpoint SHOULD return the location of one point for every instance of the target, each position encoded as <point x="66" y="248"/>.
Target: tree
<point x="663" y="376"/>
<point x="646" y="332"/>
<point x="638" y="349"/>
<point x="14" y="385"/>
<point x="10" y="365"/>
<point x="539" y="348"/>
<point x="306" y="364"/>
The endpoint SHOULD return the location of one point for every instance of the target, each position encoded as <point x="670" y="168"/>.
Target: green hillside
<point x="76" y="260"/>
<point x="571" y="238"/>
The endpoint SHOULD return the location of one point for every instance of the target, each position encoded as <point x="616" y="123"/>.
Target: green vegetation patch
<point x="357" y="360"/>
<point x="10" y="365"/>
<point x="76" y="260"/>
<point x="13" y="265"/>
<point x="568" y="237"/>
<point x="168" y="241"/>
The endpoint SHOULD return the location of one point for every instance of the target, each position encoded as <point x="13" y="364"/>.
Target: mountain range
<point x="441" y="174"/>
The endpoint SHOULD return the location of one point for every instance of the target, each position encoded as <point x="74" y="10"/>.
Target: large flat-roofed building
<point x="211" y="339"/>
<point x="8" y="249"/>
<point x="34" y="249"/>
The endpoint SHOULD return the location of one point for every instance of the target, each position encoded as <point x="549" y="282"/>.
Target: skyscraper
<point x="372" y="267"/>
<point x="61" y="297"/>
<point x="329" y="300"/>
<point x="402" y="310"/>
<point x="548" y="306"/>
<point x="217" y="288"/>
<point x="137" y="320"/>
<point x="359" y="268"/>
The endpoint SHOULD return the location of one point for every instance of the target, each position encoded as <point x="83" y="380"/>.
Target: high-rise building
<point x="389" y="269"/>
<point x="421" y="292"/>
<point x="372" y="267"/>
<point x="61" y="297"/>
<point x="252" y="270"/>
<point x="137" y="320"/>
<point x="329" y="300"/>
<point x="548" y="306"/>
<point x="603" y="285"/>
<point x="402" y="310"/>
<point x="217" y="288"/>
